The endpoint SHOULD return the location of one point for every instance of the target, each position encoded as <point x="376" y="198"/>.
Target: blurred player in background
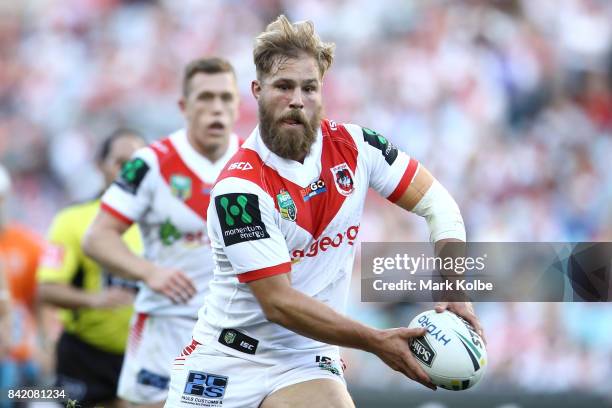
<point x="283" y="225"/>
<point x="97" y="306"/>
<point x="20" y="250"/>
<point x="165" y="188"/>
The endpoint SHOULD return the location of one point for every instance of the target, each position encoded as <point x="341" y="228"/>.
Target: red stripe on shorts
<point x="189" y="348"/>
<point x="136" y="332"/>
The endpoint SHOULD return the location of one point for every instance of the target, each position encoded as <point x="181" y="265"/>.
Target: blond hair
<point x="282" y="38"/>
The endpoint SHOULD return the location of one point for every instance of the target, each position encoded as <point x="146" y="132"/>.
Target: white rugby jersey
<point x="165" y="188"/>
<point x="269" y="215"/>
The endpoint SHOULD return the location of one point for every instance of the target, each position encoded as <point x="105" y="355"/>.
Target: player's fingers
<point x="427" y="384"/>
<point x="174" y="296"/>
<point x="186" y="283"/>
<point x="180" y="292"/>
<point x="441" y="306"/>
<point x="173" y="291"/>
<point x="478" y="327"/>
<point x="407" y="333"/>
<point x="416" y="373"/>
<point x="472" y="319"/>
<point x="419" y="374"/>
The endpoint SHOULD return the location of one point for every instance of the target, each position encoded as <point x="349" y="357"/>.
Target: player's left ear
<point x="182" y="104"/>
<point x="255" y="88"/>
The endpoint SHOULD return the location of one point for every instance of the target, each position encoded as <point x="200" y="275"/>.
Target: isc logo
<point x="240" y="166"/>
<point x="205" y="385"/>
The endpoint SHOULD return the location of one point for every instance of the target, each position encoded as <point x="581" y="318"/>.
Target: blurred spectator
<point x="20" y="250"/>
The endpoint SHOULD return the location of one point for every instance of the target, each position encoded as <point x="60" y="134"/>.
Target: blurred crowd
<point x="507" y="102"/>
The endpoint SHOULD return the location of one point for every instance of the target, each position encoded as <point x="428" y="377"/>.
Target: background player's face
<point x="290" y="106"/>
<point x="211" y="110"/>
<point x="121" y="151"/>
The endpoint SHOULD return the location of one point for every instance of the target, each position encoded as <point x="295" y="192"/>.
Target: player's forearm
<point x="311" y="318"/>
<point x="108" y="248"/>
<point x="64" y="296"/>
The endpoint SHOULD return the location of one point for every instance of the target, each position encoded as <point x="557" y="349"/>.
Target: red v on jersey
<point x="184" y="183"/>
<point x="316" y="212"/>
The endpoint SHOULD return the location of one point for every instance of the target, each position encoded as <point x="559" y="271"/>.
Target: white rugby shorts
<point x="206" y="377"/>
<point x="153" y="344"/>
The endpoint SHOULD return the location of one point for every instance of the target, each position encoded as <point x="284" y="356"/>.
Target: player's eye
<point x="205" y="97"/>
<point x="282" y="87"/>
<point x="227" y="97"/>
<point x="309" y="89"/>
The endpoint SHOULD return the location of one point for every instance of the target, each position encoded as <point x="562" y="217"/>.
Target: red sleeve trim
<point x="264" y="272"/>
<point x="405" y="181"/>
<point x="116" y="214"/>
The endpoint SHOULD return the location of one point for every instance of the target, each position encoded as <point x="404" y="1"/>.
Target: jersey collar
<point x="206" y="170"/>
<point x="300" y="173"/>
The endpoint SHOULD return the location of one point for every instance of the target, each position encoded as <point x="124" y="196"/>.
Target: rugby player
<point x="283" y="222"/>
<point x="165" y="188"/>
<point x="96" y="306"/>
<point x="24" y="359"/>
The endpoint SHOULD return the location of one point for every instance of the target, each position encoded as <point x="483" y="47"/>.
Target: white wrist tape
<point x="442" y="214"/>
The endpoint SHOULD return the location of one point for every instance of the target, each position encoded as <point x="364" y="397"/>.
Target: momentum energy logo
<point x="132" y="174"/>
<point x="240" y="218"/>
<point x="379" y="142"/>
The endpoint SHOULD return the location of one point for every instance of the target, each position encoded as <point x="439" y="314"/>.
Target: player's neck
<point x="211" y="153"/>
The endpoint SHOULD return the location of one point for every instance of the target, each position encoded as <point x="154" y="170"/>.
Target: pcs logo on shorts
<point x="209" y="386"/>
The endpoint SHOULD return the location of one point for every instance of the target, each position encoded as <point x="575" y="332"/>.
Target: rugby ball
<point x="451" y="352"/>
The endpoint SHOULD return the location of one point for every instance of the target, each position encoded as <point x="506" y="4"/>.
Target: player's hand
<point x="112" y="297"/>
<point x="171" y="283"/>
<point x="465" y="310"/>
<point x="393" y="348"/>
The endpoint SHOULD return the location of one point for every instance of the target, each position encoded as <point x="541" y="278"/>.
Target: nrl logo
<point x="343" y="177"/>
<point x="180" y="186"/>
<point x="286" y="206"/>
<point x="229" y="337"/>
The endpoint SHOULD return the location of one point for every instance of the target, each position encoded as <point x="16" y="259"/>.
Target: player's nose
<point x="217" y="106"/>
<point x="296" y="99"/>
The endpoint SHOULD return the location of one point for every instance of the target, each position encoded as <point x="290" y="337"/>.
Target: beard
<point x="289" y="143"/>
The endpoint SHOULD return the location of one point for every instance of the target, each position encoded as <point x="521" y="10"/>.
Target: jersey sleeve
<point x="59" y="260"/>
<point x="390" y="170"/>
<point x="242" y="223"/>
<point x="130" y="195"/>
